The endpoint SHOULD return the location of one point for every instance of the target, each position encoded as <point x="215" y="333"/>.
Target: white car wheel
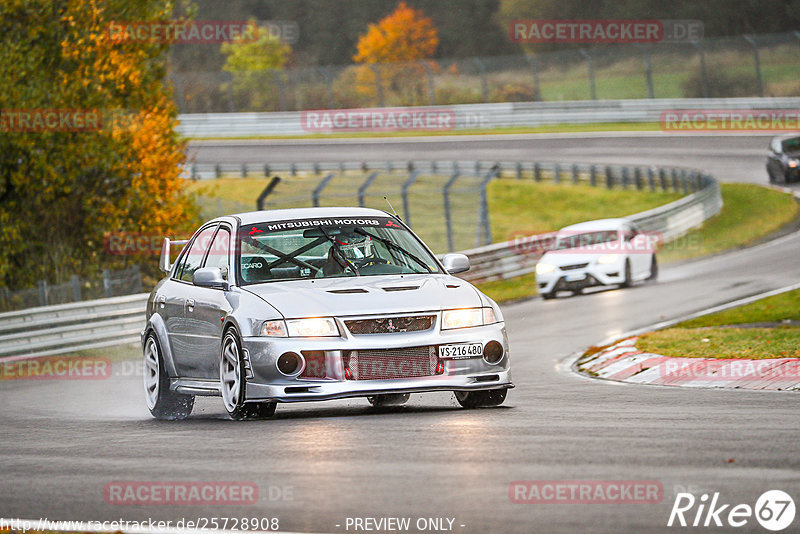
<point x="233" y="386"/>
<point x="162" y="402"/>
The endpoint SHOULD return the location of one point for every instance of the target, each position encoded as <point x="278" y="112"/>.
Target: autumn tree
<point x="395" y="46"/>
<point x="65" y="188"/>
<point x="255" y="60"/>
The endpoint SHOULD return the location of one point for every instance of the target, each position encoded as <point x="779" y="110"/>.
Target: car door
<point x="185" y="329"/>
<point x="205" y="311"/>
<point x="638" y="247"/>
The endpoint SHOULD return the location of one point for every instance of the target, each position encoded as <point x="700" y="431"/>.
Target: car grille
<point x="390" y="325"/>
<point x="383" y="364"/>
<point x="573" y="266"/>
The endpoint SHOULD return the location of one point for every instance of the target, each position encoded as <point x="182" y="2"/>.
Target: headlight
<point x="607" y="259"/>
<point x="312" y="327"/>
<point x="467" y="317"/>
<point x="794" y="163"/>
<point x="545" y="268"/>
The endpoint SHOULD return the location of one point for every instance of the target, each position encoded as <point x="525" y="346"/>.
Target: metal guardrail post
<point x="266" y="192"/>
<point x="107" y="289"/>
<point x="362" y="190"/>
<point x="484" y="82"/>
<point x="42" y="285"/>
<point x="637" y="178"/>
<point x="651" y="179"/>
<point x="537" y="172"/>
<point x="590" y="63"/>
<point x="378" y="83"/>
<point x="675" y="183"/>
<point x="76" y="287"/>
<point x="700" y="50"/>
<point x="662" y="178"/>
<point x="752" y="42"/>
<point x="244" y="170"/>
<point x="556" y="174"/>
<point x="317" y="190"/>
<point x="404" y="191"/>
<point x="684" y="184"/>
<point x="519" y="171"/>
<point x="267" y="170"/>
<point x="484" y="226"/>
<point x="217" y="171"/>
<point x="609" y="178"/>
<point x="575" y="173"/>
<point x="593" y="175"/>
<point x="625" y="177"/>
<point x="431" y="88"/>
<point x="447" y="216"/>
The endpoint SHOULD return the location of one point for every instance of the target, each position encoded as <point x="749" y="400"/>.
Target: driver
<point x="350" y="249"/>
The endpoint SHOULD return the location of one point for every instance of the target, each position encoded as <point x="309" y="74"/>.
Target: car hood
<point x="567" y="257"/>
<point x="367" y="295"/>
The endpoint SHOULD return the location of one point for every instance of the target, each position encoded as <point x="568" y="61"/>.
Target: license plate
<point x="575" y="277"/>
<point x="462" y="350"/>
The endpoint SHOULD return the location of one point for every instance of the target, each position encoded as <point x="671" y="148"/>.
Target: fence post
<point x="557" y="174"/>
<point x="752" y="42"/>
<point x="76" y="287"/>
<point x="217" y="170"/>
<point x="592" y="175"/>
<point x="378" y="83"/>
<point x="244" y="170"/>
<point x="317" y="190"/>
<point x="699" y="46"/>
<point x="484" y="226"/>
<point x="590" y="63"/>
<point x="662" y="177"/>
<point x="266" y="192"/>
<point x="363" y="188"/>
<point x="675" y="184"/>
<point x="42" y="293"/>
<point x="575" y="173"/>
<point x="535" y="70"/>
<point x="625" y="177"/>
<point x="651" y="179"/>
<point x="447" y="217"/>
<point x="684" y="184"/>
<point x="637" y="178"/>
<point x="519" y="171"/>
<point x="537" y="172"/>
<point x="404" y="191"/>
<point x="107" y="289"/>
<point x="431" y="88"/>
<point x="484" y="82"/>
<point x="609" y="178"/>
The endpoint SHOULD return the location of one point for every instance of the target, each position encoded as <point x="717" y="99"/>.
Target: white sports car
<point x="317" y="304"/>
<point x="597" y="253"/>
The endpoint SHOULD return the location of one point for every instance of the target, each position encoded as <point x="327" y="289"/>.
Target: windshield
<point x="329" y="248"/>
<point x="791" y="146"/>
<point x="586" y="239"/>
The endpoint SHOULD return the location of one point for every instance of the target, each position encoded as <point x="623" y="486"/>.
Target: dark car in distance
<point x="783" y="162"/>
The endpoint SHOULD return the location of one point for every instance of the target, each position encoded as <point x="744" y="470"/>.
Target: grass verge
<point x="707" y="337"/>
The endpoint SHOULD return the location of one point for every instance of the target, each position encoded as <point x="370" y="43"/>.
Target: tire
<point x="653" y="270"/>
<point x="481" y="399"/>
<point x="232" y="385"/>
<point x="392" y="399"/>
<point x="548" y="296"/>
<point x="163" y="403"/>
<point x="628" y="278"/>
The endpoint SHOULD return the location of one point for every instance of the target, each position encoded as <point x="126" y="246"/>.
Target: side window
<point x="218" y="253"/>
<point x="194" y="258"/>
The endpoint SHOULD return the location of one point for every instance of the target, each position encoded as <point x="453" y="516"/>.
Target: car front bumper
<point x="577" y="279"/>
<point x="266" y="383"/>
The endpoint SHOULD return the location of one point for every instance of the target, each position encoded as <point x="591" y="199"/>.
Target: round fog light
<point x="290" y="364"/>
<point x="493" y="352"/>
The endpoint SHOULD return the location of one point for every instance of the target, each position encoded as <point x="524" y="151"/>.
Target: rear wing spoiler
<point x="164" y="263"/>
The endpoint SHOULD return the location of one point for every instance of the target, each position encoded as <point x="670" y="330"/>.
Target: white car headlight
<point x="545" y="268"/>
<point x="311" y="327"/>
<point x="608" y="259"/>
<point x="467" y="317"/>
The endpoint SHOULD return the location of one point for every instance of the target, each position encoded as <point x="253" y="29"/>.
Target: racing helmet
<point x="353" y="246"/>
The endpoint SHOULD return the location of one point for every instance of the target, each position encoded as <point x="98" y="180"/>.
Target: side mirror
<point x="210" y="277"/>
<point x="455" y="263"/>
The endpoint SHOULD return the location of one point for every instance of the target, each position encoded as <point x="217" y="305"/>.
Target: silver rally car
<point x="317" y="304"/>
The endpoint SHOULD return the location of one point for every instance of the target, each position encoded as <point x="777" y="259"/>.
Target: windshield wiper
<point x="338" y="248"/>
<point x="394" y="246"/>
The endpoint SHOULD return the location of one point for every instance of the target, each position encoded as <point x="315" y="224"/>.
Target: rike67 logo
<point x="774" y="510"/>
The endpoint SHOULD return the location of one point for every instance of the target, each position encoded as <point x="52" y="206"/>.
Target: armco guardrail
<point x="509" y="259"/>
<point x="66" y="328"/>
<point x="51" y="330"/>
<point x="480" y="116"/>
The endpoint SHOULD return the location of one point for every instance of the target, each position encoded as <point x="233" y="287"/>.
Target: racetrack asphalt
<point x="63" y="441"/>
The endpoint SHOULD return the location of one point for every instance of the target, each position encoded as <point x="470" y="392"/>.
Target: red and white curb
<point x="623" y="362"/>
